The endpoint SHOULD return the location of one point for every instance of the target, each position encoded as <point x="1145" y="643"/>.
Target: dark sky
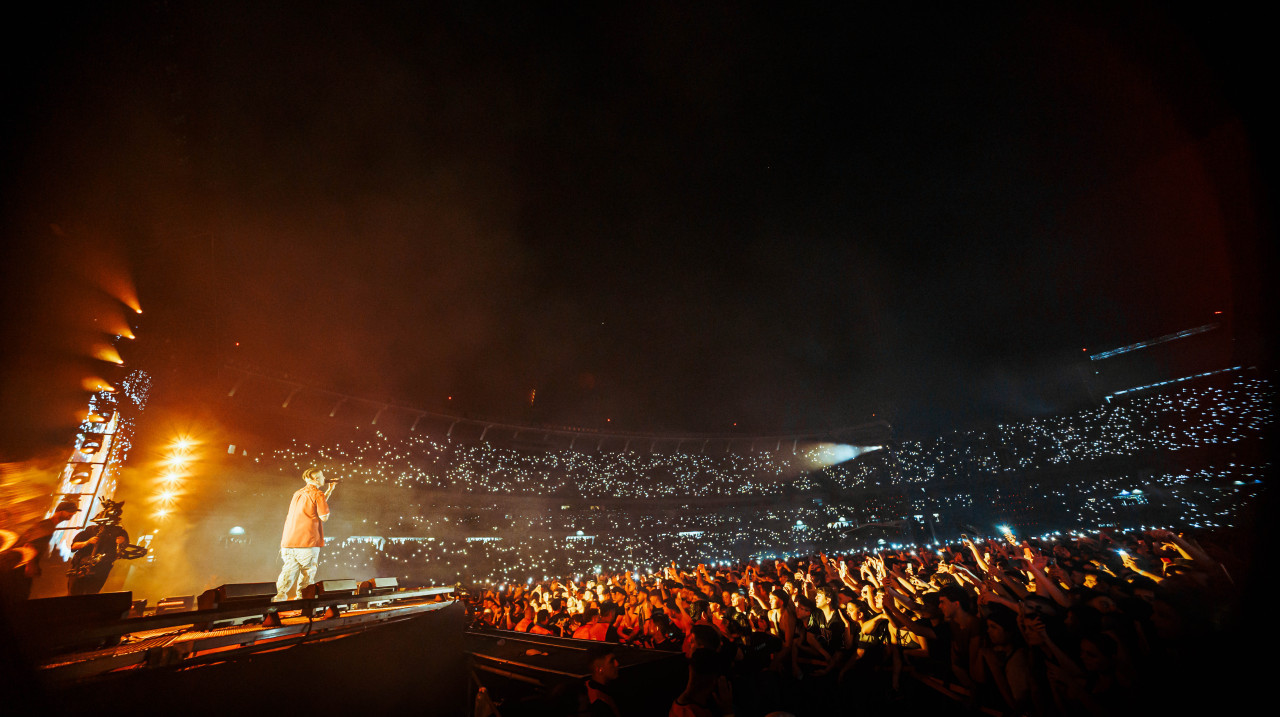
<point x="678" y="218"/>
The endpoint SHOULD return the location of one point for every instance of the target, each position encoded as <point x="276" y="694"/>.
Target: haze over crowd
<point x="711" y="219"/>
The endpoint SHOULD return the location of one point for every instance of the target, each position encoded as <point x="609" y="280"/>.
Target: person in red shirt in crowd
<point x="588" y="620"/>
<point x="303" y="535"/>
<point x="603" y="629"/>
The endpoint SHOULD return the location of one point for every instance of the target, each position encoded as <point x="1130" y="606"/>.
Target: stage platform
<point x="401" y="651"/>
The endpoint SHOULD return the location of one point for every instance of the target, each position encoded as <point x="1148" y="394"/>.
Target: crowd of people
<point x="1092" y="624"/>
<point x="808" y="589"/>
<point x="1236" y="408"/>
<point x="1191" y="417"/>
<point x="500" y="540"/>
<point x="508" y="545"/>
<point x="420" y="462"/>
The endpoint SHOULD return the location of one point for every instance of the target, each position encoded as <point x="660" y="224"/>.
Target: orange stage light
<point x="95" y="384"/>
<point x="106" y="352"/>
<point x="121" y="286"/>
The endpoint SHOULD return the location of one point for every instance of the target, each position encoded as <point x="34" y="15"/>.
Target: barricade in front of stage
<point x="538" y="674"/>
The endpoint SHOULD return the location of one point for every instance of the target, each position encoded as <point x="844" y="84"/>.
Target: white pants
<point x="298" y="572"/>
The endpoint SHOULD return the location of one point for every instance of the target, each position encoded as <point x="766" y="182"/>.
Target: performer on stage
<point x="303" y="535"/>
<point x="97" y="548"/>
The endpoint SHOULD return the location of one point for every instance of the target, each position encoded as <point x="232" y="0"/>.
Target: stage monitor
<point x="379" y="586"/>
<point x="237" y="594"/>
<point x="331" y="588"/>
<point x="102" y="607"/>
<point x="181" y="603"/>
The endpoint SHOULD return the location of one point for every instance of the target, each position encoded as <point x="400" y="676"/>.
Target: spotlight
<point x="91" y="443"/>
<point x="108" y="353"/>
<point x="97" y="384"/>
<point x="81" y="474"/>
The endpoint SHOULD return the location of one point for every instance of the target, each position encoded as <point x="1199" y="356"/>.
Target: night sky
<point x="675" y="218"/>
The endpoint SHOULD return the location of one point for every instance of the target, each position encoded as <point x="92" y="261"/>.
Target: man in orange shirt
<point x="303" y="535"/>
